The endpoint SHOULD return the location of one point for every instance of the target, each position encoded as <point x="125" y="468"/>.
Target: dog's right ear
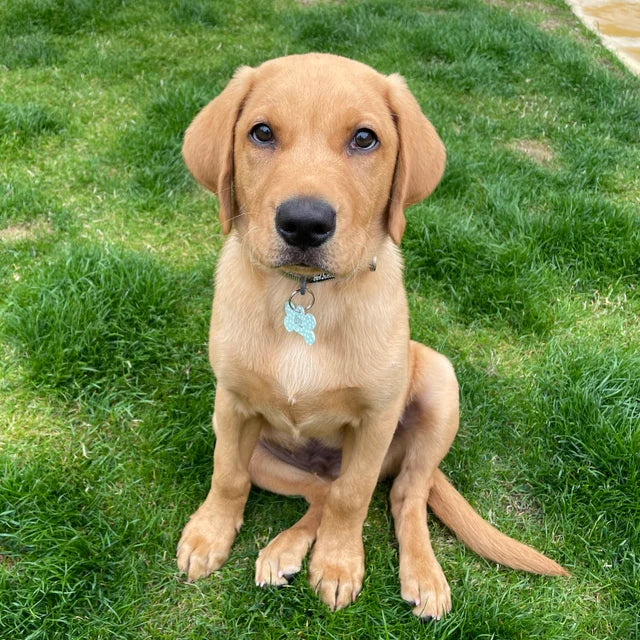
<point x="208" y="142"/>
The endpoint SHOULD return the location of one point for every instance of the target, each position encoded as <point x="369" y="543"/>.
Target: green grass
<point x="523" y="268"/>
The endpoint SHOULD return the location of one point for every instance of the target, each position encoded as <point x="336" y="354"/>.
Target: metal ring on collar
<point x="297" y="291"/>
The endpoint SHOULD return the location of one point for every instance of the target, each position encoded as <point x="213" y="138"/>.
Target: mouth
<point x="301" y="269"/>
<point x="307" y="263"/>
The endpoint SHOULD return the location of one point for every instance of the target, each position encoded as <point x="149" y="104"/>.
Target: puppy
<point x="320" y="391"/>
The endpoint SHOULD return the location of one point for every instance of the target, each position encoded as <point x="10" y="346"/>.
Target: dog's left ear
<point x="421" y="155"/>
<point x="208" y="142"/>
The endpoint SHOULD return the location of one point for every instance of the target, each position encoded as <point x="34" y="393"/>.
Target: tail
<point x="477" y="534"/>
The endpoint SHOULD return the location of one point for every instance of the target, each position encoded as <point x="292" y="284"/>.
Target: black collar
<point x="321" y="277"/>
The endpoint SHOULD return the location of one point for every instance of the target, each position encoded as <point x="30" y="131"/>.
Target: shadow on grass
<point x="96" y="318"/>
<point x="121" y="339"/>
<point x="118" y="342"/>
<point x="62" y="17"/>
<point x="23" y="202"/>
<point x="22" y="123"/>
<point x="27" y="51"/>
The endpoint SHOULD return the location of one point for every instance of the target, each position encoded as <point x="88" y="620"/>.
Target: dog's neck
<point x="321" y="277"/>
<point x="346" y="308"/>
<point x="324" y="276"/>
<point x="305" y="280"/>
<point x="238" y="261"/>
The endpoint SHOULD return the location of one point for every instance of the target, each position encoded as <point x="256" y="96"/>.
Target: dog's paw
<point x="424" y="586"/>
<point x="205" y="543"/>
<point x="336" y="572"/>
<point x="282" y="557"/>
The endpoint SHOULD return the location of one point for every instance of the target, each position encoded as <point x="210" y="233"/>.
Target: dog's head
<point x="314" y="159"/>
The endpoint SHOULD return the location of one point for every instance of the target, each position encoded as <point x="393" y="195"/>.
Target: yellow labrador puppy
<point x="320" y="391"/>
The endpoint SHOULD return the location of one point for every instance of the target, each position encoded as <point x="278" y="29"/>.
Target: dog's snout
<point x="305" y="222"/>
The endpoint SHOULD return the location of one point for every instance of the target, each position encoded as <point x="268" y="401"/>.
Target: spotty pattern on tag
<point x="296" y="319"/>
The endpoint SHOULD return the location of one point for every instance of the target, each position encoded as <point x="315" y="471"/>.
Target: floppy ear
<point x="208" y="142"/>
<point x="421" y="155"/>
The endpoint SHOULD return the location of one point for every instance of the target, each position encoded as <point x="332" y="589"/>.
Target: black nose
<point x="305" y="222"/>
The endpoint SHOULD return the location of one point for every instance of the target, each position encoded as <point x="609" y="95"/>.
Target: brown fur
<point x="363" y="402"/>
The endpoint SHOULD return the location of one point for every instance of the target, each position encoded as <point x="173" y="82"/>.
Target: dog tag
<point x="303" y="323"/>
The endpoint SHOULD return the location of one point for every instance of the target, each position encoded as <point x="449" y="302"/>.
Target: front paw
<point x="336" y="570"/>
<point x="205" y="543"/>
<point x="282" y="557"/>
<point x="424" y="586"/>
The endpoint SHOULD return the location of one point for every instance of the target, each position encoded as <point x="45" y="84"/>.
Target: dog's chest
<point x="301" y="371"/>
<point x="298" y="390"/>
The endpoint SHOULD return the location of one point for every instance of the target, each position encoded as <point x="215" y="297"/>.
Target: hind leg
<point x="283" y="556"/>
<point x="425" y="435"/>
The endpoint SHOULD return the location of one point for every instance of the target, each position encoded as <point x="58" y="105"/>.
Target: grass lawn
<point x="523" y="268"/>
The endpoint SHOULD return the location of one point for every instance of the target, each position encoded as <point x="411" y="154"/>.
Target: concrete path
<point x="617" y="22"/>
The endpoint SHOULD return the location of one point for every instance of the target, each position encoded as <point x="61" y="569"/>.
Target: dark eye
<point x="364" y="140"/>
<point x="261" y="134"/>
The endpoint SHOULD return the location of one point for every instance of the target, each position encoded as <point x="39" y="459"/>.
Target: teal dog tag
<point x="296" y="319"/>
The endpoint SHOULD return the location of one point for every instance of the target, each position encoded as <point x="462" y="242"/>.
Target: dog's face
<point x="313" y="140"/>
<point x="314" y="159"/>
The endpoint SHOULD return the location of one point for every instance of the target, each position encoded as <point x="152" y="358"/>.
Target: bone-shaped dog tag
<point x="303" y="323"/>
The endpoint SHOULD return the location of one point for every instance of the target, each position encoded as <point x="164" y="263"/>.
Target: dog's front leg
<point x="336" y="569"/>
<point x="207" y="538"/>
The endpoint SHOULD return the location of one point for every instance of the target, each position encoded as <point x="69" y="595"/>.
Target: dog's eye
<point x="364" y="140"/>
<point x="262" y="134"/>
